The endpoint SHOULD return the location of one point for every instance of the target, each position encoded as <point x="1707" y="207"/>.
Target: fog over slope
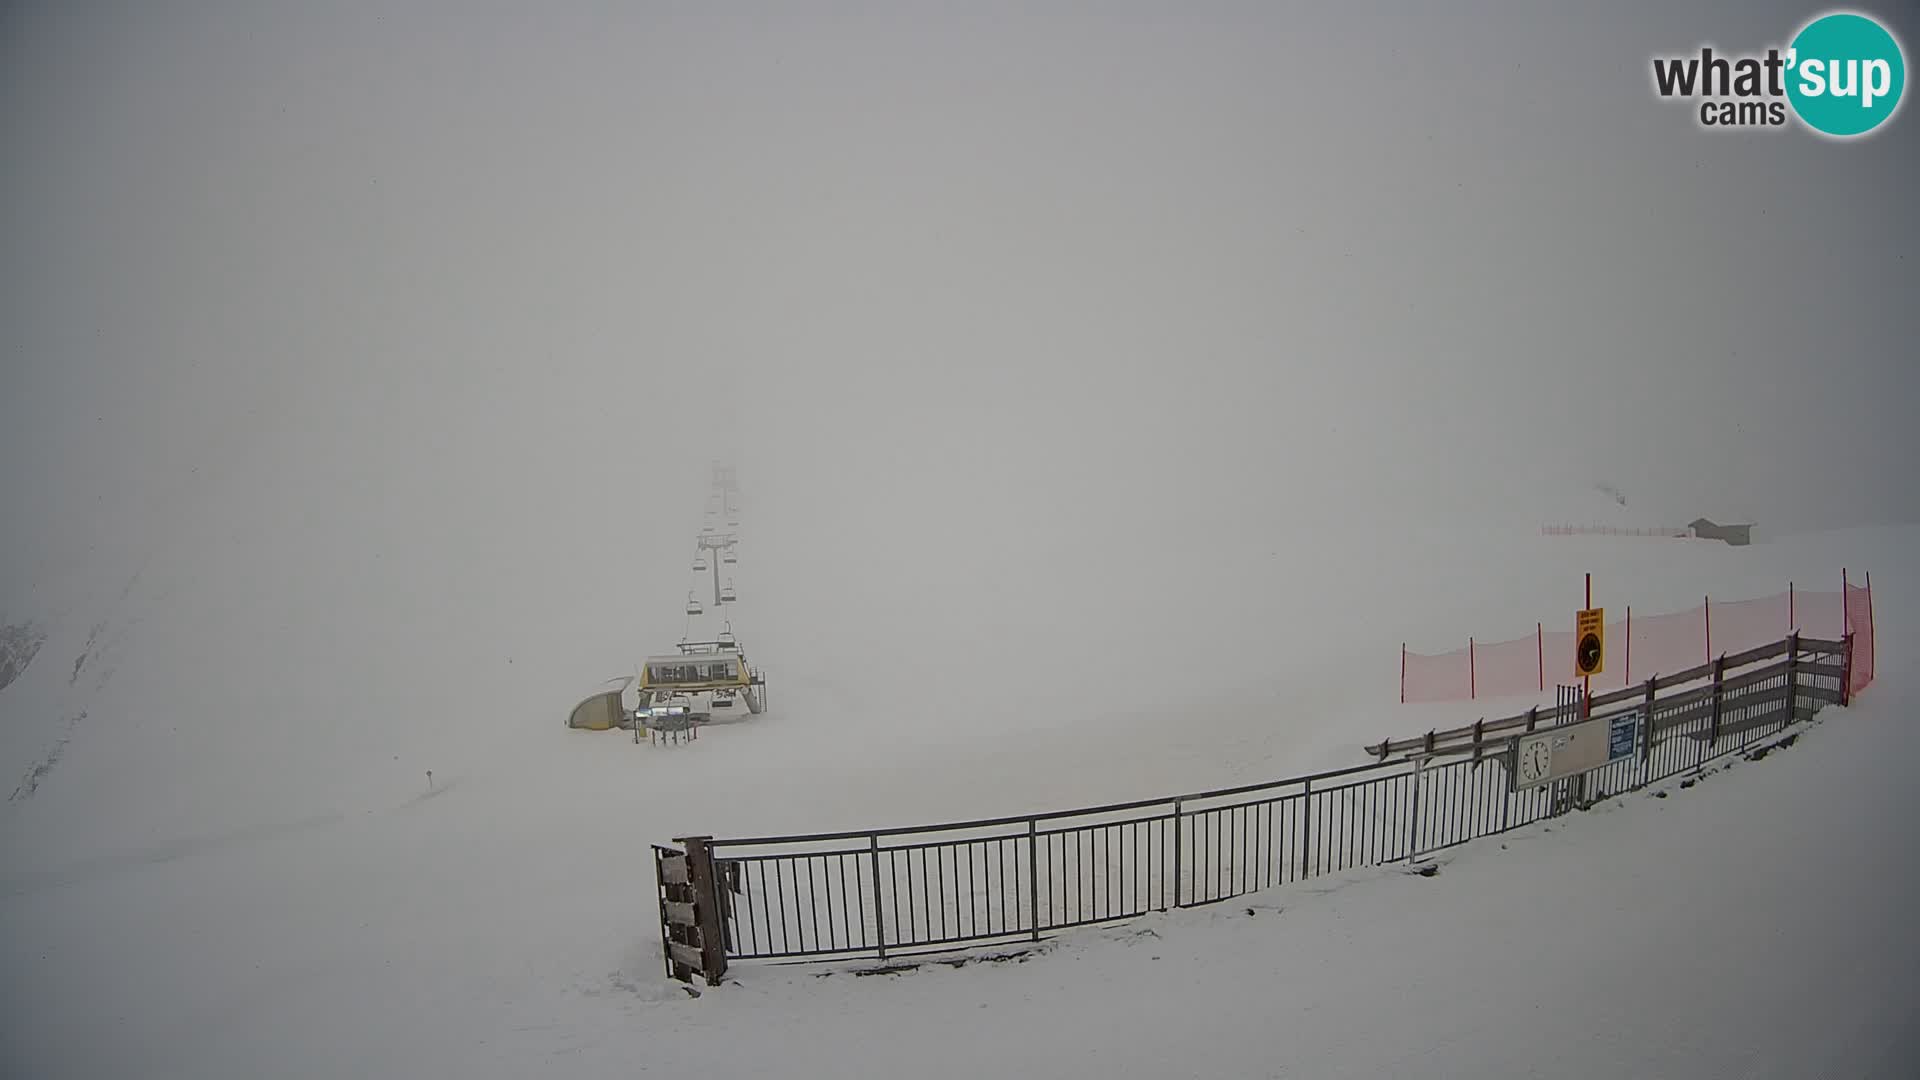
<point x="363" y="368"/>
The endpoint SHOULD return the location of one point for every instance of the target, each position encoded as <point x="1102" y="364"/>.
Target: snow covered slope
<point x="363" y="365"/>
<point x="1754" y="924"/>
<point x="234" y="857"/>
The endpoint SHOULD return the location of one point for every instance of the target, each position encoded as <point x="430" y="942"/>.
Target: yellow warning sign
<point x="1590" y="641"/>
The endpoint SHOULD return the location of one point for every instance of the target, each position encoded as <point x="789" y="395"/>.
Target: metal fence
<point x="902" y="891"/>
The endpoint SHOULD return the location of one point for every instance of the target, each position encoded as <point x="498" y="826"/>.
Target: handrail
<point x="1048" y="815"/>
<point x="1429" y="741"/>
<point x="1381" y="750"/>
<point x="961" y="883"/>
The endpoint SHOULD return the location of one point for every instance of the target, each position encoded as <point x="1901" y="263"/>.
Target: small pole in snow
<point x="429" y="779"/>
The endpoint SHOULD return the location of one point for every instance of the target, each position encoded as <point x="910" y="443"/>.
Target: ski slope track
<point x="224" y="858"/>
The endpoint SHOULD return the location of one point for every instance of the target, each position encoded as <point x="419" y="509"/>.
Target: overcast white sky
<point x="1312" y="258"/>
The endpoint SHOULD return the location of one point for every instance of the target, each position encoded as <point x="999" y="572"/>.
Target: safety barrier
<point x="896" y="892"/>
<point x="1644" y="644"/>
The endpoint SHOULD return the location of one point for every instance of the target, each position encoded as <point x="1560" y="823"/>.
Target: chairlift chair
<point x="726" y="592"/>
<point x="699" y="562"/>
<point x="728" y="557"/>
<point x="693" y="604"/>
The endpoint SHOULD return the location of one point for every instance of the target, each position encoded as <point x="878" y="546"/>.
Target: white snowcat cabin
<point x="690" y="672"/>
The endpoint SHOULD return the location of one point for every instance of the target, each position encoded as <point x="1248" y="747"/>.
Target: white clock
<point x="1535" y="759"/>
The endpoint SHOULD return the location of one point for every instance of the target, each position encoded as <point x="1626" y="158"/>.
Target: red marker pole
<point x="1706" y="619"/>
<point x="1540" y="653"/>
<point x="1872" y="646"/>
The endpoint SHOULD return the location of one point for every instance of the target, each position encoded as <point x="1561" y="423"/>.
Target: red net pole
<point x="1473" y="678"/>
<point x="1791" y="622"/>
<point x="1846" y="624"/>
<point x="1873" y="643"/>
<point x="1629" y="649"/>
<point x="1403" y="673"/>
<point x="1706" y="619"/>
<point x="1540" y="649"/>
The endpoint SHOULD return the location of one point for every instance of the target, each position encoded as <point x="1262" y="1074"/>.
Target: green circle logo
<point x="1845" y="74"/>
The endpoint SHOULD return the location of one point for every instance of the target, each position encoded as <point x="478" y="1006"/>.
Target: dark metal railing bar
<point x="1233" y="853"/>
<point x="813" y="903"/>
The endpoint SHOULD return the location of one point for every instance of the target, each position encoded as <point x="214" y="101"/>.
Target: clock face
<point x="1535" y="760"/>
<point x="1588" y="657"/>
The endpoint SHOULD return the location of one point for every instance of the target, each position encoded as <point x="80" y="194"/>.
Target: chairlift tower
<point x="717" y="543"/>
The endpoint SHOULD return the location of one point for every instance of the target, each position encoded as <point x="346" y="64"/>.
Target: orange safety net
<point x="1860" y="622"/>
<point x="1642" y="646"/>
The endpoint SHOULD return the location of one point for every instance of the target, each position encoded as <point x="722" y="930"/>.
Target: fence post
<point x="1846" y="669"/>
<point x="1646" y="749"/>
<point x="1033" y="870"/>
<point x="1306" y="830"/>
<point x="706" y="908"/>
<point x="879" y="917"/>
<point x="1713" y="730"/>
<point x="1793" y="690"/>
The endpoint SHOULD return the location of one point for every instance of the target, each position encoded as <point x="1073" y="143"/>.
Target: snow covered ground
<point x="258" y="882"/>
<point x="1755" y="924"/>
<point x="1105" y="420"/>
